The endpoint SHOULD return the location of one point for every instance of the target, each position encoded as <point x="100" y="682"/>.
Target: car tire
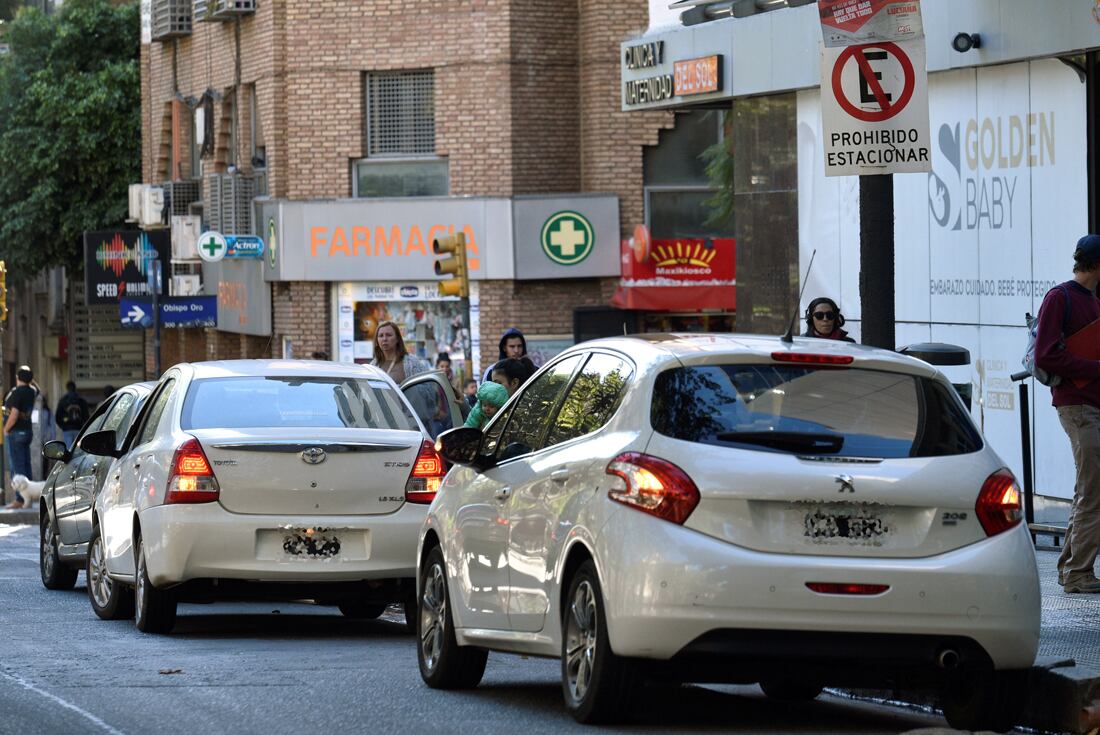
<point x="154" y="609"/>
<point x="443" y="663"/>
<point x="598" y="684"/>
<point x="790" y="690"/>
<point x="110" y="600"/>
<point x="56" y="574"/>
<point x="362" y="610"/>
<point x="990" y="701"/>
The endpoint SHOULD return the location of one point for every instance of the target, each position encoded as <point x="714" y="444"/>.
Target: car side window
<point x="592" y="399"/>
<point x="118" y="412"/>
<point x="95" y="423"/>
<point x="156" y="410"/>
<point x="431" y="405"/>
<point x="531" y="415"/>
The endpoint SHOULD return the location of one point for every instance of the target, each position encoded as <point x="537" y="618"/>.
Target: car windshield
<point x="812" y="411"/>
<point x="255" y="402"/>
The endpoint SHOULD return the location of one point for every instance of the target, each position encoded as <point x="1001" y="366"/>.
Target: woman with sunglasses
<point x="824" y="320"/>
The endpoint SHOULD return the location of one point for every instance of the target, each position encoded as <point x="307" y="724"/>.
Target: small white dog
<point x="31" y="490"/>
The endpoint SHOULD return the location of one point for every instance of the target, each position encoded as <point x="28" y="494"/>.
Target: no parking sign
<point x="874" y="109"/>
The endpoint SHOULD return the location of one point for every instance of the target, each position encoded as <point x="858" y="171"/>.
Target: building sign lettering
<point x="382" y="241"/>
<point x="697" y="76"/>
<point x="644" y="55"/>
<point x="653" y="89"/>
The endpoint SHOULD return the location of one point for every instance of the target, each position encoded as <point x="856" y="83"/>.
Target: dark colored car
<point x="65" y="512"/>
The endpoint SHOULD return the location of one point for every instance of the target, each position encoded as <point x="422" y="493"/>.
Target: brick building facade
<point x="526" y="100"/>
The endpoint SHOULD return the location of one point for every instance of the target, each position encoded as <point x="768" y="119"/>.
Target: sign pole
<point x="156" y="318"/>
<point x="876" y="257"/>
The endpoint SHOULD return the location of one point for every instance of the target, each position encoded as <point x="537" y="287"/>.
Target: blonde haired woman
<point x="390" y="354"/>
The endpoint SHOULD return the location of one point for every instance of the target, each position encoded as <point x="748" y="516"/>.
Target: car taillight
<point x="806" y="358"/>
<point x="191" y="480"/>
<point x="654" y="486"/>
<point x="426" y="476"/>
<point x="847" y="588"/>
<point x="998" y="506"/>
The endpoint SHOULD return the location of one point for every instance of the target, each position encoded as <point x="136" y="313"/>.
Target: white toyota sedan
<point x="727" y="508"/>
<point x="280" y="479"/>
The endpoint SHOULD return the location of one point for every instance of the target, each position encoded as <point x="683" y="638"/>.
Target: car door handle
<point x="560" y="475"/>
<point x="503" y="493"/>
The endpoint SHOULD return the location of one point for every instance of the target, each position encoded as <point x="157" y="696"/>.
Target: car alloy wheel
<point x="581" y="635"/>
<point x="55" y="575"/>
<point x="154" y="609"/>
<point x="110" y="600"/>
<point x="433" y="616"/>
<point x="442" y="662"/>
<point x="99" y="584"/>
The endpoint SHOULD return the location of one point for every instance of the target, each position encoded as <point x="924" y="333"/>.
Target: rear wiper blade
<point x="792" y="440"/>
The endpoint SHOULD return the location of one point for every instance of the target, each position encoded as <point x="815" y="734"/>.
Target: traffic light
<point x="3" y="293"/>
<point x="455" y="246"/>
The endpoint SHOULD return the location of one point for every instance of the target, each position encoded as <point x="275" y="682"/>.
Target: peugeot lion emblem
<point x="313" y="455"/>
<point x="846" y="483"/>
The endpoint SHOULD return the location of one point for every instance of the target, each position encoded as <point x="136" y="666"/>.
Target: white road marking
<point x="58" y="700"/>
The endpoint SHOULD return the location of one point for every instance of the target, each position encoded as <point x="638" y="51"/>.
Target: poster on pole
<point x="853" y="22"/>
<point x="874" y="109"/>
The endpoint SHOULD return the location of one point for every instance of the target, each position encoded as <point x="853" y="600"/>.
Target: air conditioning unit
<point x="200" y="10"/>
<point x="170" y="19"/>
<point x="180" y="195"/>
<point x="185" y="285"/>
<point x="212" y="202"/>
<point x="185" y="237"/>
<point x="229" y="9"/>
<point x="135" y="202"/>
<point x="152" y="207"/>
<point x="238" y="191"/>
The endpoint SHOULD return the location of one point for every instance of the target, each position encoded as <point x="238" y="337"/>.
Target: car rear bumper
<point x="684" y="593"/>
<point x="204" y="541"/>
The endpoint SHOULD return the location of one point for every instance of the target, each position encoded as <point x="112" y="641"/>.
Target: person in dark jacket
<point x="1078" y="408"/>
<point x="512" y="373"/>
<point x="824" y="320"/>
<point x="512" y="344"/>
<point x="72" y="412"/>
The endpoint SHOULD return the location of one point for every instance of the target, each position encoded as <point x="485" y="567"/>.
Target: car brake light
<point x="810" y="359"/>
<point x="426" y="476"/>
<point x="998" y="506"/>
<point x="654" y="486"/>
<point x="191" y="480"/>
<point x="842" y="588"/>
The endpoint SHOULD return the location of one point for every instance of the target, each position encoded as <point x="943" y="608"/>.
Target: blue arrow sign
<point x="175" y="311"/>
<point x="244" y="246"/>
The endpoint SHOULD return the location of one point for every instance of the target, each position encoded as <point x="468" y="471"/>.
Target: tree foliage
<point x="70" y="129"/>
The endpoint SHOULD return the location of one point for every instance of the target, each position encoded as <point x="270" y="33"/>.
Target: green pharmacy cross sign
<point x="212" y="246"/>
<point x="568" y="238"/>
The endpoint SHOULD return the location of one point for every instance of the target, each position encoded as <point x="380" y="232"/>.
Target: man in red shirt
<point x="1078" y="408"/>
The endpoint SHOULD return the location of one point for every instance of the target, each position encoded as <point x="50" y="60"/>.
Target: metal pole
<point x="156" y="319"/>
<point x="1025" y="441"/>
<point x="876" y="264"/>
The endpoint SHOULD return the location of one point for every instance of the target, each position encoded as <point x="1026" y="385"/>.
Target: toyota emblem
<point x="313" y="455"/>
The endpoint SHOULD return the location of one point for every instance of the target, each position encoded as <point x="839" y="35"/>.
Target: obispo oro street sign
<point x="874" y="109"/>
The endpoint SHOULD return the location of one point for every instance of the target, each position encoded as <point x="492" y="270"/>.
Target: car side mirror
<point x="460" y="446"/>
<point x="56" y="450"/>
<point x="101" y="443"/>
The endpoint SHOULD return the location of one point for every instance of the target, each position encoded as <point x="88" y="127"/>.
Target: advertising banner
<point x="852" y="22"/>
<point x="117" y="263"/>
<point x="874" y="109"/>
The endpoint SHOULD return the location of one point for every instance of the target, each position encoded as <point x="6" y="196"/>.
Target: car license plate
<point x="854" y="524"/>
<point x="311" y="543"/>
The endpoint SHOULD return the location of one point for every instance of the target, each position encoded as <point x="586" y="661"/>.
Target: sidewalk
<point x="20" y="516"/>
<point x="1071" y="623"/>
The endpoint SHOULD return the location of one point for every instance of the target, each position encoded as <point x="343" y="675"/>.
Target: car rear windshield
<point x="813" y="411"/>
<point x="255" y="402"/>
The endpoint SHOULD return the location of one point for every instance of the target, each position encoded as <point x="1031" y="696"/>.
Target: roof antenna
<point x="789" y="336"/>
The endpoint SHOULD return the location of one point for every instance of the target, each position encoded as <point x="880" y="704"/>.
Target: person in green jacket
<point x="490" y="397"/>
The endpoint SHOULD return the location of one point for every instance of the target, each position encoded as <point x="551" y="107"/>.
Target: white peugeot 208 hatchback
<point x="738" y="509"/>
<point x="283" y="479"/>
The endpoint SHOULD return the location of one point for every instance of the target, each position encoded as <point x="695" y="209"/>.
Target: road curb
<point x="19" y="516"/>
<point x="1062" y="697"/>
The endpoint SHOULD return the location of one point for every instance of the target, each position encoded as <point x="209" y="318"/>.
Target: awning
<point x="678" y="297"/>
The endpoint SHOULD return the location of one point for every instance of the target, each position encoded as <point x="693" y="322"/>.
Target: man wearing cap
<point x="1078" y="408"/>
<point x="17" y="428"/>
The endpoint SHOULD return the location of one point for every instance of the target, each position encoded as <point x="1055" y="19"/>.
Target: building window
<point x="676" y="184"/>
<point x="399" y="138"/>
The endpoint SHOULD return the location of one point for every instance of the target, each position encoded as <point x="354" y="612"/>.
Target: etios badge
<point x="313" y="455"/>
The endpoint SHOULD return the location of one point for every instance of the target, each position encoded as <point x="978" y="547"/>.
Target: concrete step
<point x="19" y="516"/>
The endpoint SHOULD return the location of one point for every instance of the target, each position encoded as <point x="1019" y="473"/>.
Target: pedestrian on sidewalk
<point x="72" y="412"/>
<point x="824" y="320"/>
<point x="391" y="355"/>
<point x="1078" y="408"/>
<point x="18" y="430"/>
<point x="490" y="397"/>
<point x="512" y="344"/>
<point x="512" y="373"/>
<point x="471" y="392"/>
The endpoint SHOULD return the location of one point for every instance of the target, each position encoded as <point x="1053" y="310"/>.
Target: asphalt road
<point x="296" y="668"/>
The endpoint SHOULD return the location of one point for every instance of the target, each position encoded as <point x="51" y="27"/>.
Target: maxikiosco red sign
<point x="682" y="259"/>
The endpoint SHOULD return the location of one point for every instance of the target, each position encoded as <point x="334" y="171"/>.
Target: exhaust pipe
<point x="947" y="659"/>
